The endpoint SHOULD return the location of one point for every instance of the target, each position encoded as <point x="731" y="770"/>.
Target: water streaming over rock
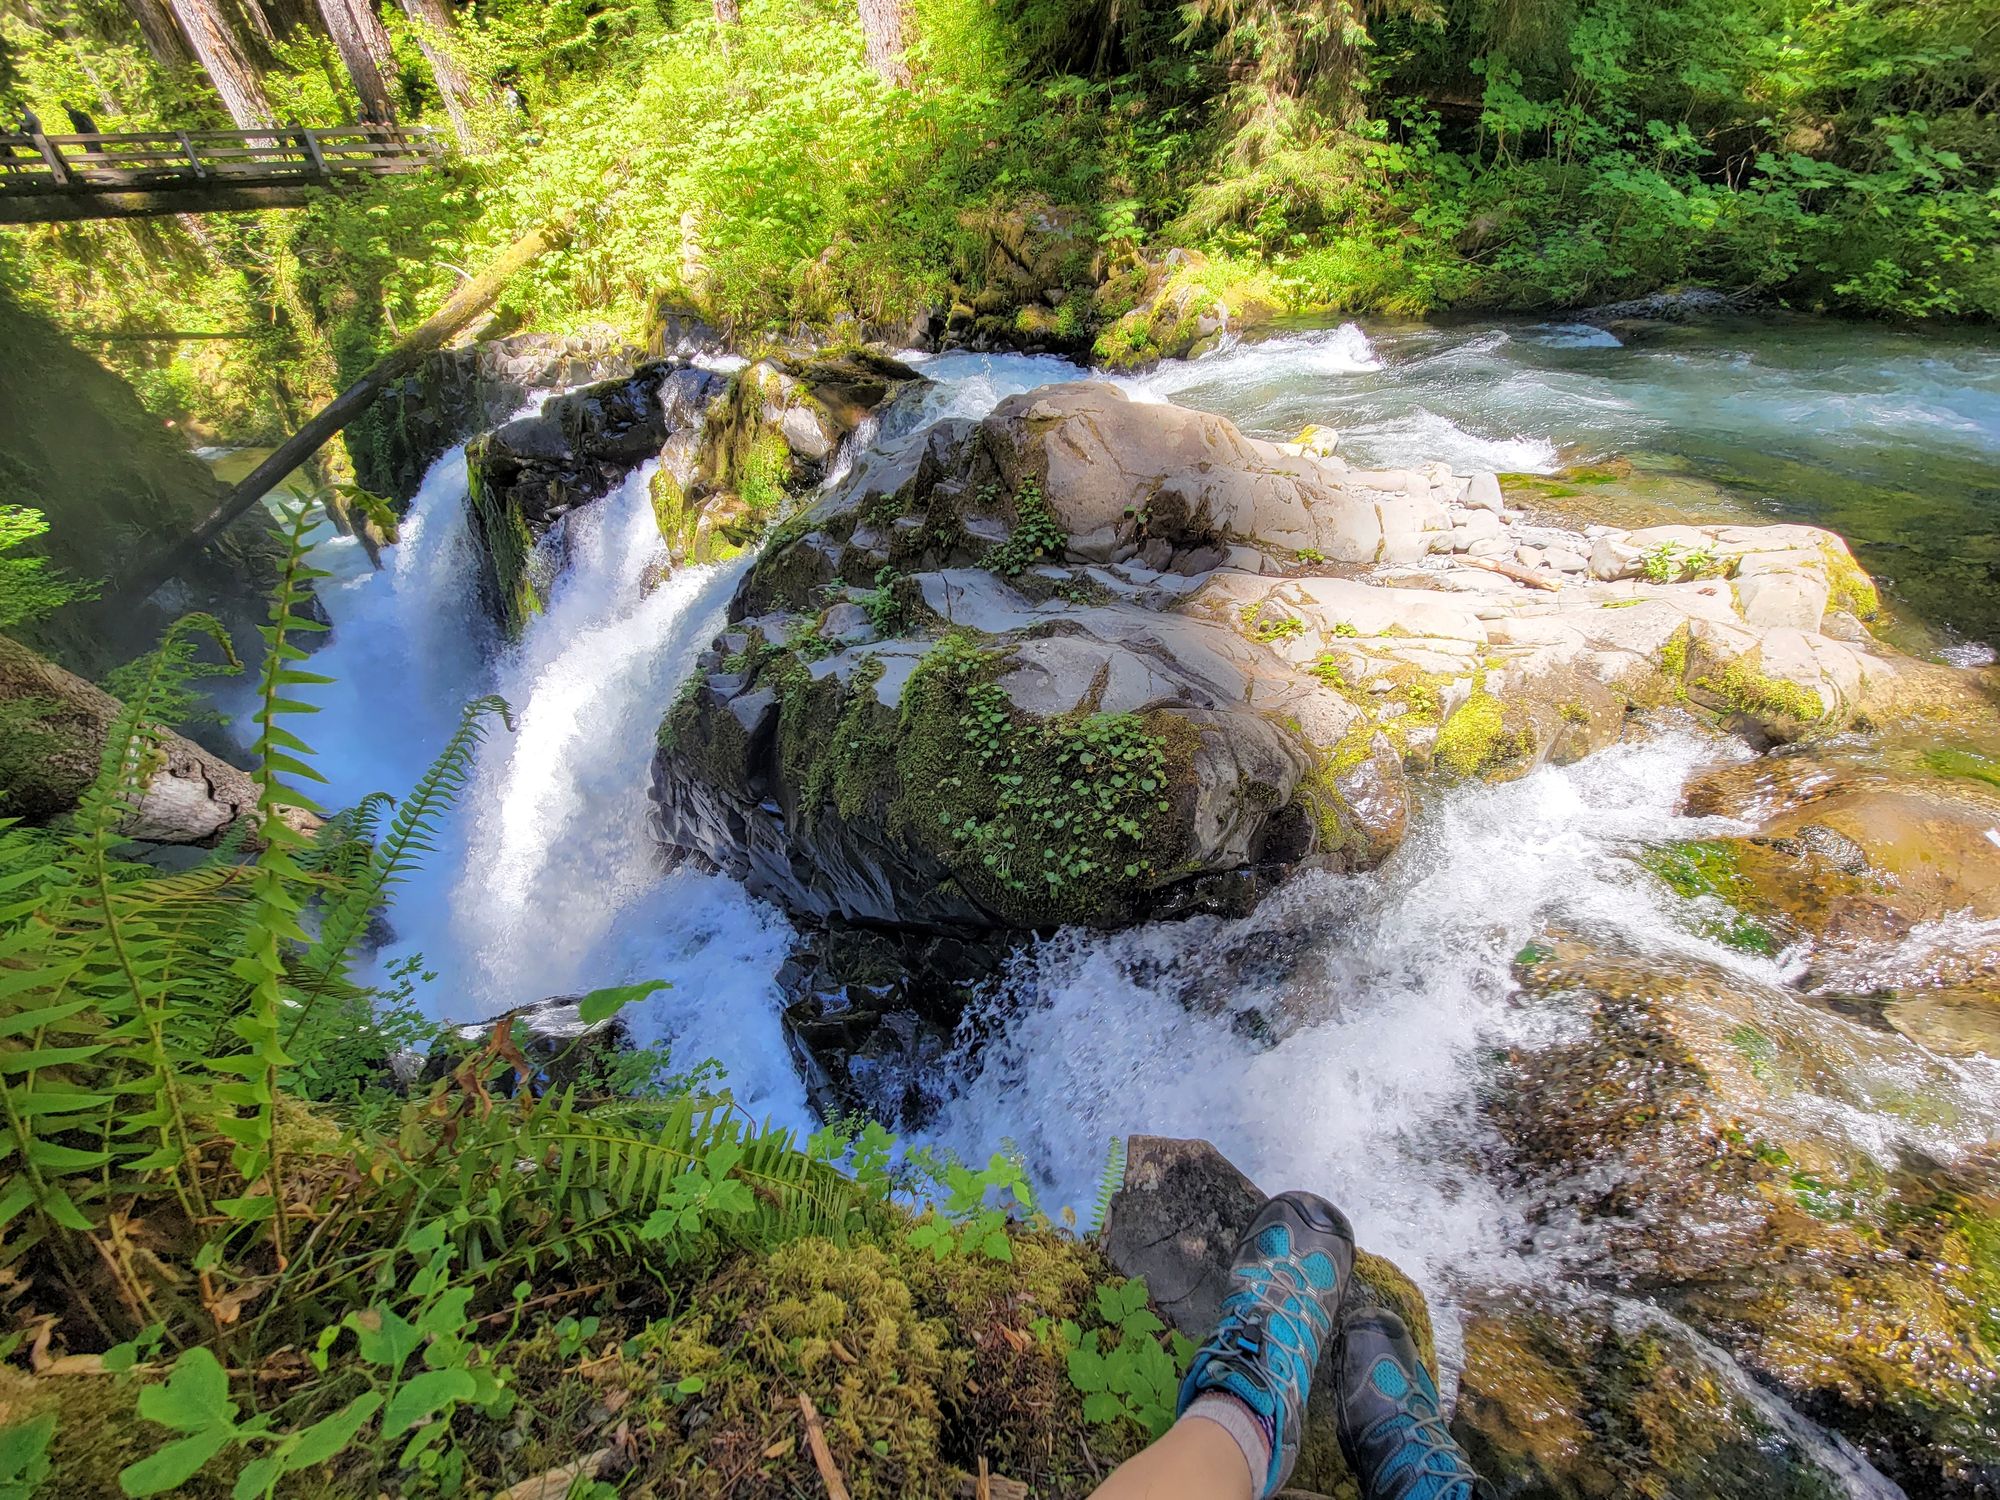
<point x="1338" y="1039"/>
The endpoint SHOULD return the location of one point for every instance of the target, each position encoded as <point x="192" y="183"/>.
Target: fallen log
<point x="1510" y="570"/>
<point x="56" y="726"/>
<point x="465" y="304"/>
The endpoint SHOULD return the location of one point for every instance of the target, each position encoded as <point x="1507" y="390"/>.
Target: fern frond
<point x="1108" y="1184"/>
<point x="409" y="835"/>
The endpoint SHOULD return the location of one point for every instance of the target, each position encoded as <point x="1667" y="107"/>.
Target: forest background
<point x="834" y="168"/>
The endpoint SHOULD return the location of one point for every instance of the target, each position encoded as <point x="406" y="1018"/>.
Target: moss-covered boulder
<point x="1857" y="1270"/>
<point x="1176" y="307"/>
<point x="959" y="692"/>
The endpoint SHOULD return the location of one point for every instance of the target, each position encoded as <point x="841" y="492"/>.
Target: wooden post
<point x="57" y="166"/>
<point x="311" y="142"/>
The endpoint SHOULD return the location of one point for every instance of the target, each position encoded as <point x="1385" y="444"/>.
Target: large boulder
<point x="927" y="670"/>
<point x="959" y="691"/>
<point x="458" y="392"/>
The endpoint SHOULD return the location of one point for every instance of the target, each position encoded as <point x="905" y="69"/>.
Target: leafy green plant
<point x="1036" y="534"/>
<point x="1268" y="628"/>
<point x="1122" y="1369"/>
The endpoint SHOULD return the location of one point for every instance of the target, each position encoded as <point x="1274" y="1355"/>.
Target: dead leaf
<point x="840" y="1353"/>
<point x="614" y="1401"/>
<point x="1018" y="1341"/>
<point x="782" y="1448"/>
<point x="555" y="1484"/>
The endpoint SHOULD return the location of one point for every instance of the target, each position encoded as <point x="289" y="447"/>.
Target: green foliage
<point x="1670" y="562"/>
<point x="1036" y="534"/>
<point x="1268" y="628"/>
<point x="24" y="1456"/>
<point x="1057" y="815"/>
<point x="1122" y="1370"/>
<point x="28" y="589"/>
<point x="1108" y="1184"/>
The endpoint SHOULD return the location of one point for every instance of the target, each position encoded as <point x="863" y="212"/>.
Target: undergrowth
<point x="236" y="1258"/>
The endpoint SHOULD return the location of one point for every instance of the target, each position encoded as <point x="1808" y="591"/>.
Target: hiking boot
<point x="1392" y="1427"/>
<point x="1288" y="1276"/>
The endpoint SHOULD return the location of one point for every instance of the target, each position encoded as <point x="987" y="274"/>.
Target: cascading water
<point x="1338" y="1039"/>
<point x="545" y="880"/>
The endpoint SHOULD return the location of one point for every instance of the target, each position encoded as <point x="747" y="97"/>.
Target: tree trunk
<point x="57" y="725"/>
<point x="465" y="304"/>
<point x="223" y="58"/>
<point x="162" y="36"/>
<point x="433" y="23"/>
<point x="727" y="12"/>
<point x="883" y="24"/>
<point x="355" y="27"/>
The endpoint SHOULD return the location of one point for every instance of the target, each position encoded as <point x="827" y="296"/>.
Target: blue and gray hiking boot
<point x="1392" y="1427"/>
<point x="1289" y="1274"/>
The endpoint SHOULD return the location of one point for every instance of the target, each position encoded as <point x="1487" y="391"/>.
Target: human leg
<point x="1247" y="1385"/>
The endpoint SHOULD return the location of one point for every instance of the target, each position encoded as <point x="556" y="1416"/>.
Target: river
<point x="1383" y="1004"/>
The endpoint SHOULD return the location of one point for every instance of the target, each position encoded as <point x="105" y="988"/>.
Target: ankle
<point x="1251" y="1433"/>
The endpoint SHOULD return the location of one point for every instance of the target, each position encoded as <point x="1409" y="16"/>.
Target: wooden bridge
<point x="47" y="179"/>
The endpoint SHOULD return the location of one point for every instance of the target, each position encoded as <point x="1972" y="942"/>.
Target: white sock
<point x="1243" y="1427"/>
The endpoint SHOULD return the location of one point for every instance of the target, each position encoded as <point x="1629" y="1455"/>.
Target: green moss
<point x="507" y="547"/>
<point x="764" y="474"/>
<point x="1698" y="868"/>
<point x="1046" y="821"/>
<point x="1966" y="763"/>
<point x="1745" y="689"/>
<point x="676" y="519"/>
<point x="1475" y="740"/>
<point x="1674" y="661"/>
<point x="1269" y="628"/>
<point x="1849" y="587"/>
<point x="1573" y="712"/>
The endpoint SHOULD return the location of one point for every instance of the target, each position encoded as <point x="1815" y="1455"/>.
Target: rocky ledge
<point x="731" y="447"/>
<point x="1096" y="660"/>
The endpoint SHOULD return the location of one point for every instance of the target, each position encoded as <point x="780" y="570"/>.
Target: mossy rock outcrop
<point x="731" y="450"/>
<point x="959" y="692"/>
<point x="1859" y="1278"/>
<point x="458" y="392"/>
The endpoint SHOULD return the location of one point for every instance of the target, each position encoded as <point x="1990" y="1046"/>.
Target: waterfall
<point x="545" y="879"/>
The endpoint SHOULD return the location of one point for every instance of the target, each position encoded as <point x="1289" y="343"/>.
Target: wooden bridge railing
<point x="195" y="170"/>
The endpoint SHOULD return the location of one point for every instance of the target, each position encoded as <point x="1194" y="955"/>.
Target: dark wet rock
<point x="560" y="1048"/>
<point x="1858" y="1282"/>
<point x="1595" y="1400"/>
<point x="871" y="1015"/>
<point x="1675" y="305"/>
<point x="458" y="392"/>
<point x="1175" y="1221"/>
<point x="527" y="474"/>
